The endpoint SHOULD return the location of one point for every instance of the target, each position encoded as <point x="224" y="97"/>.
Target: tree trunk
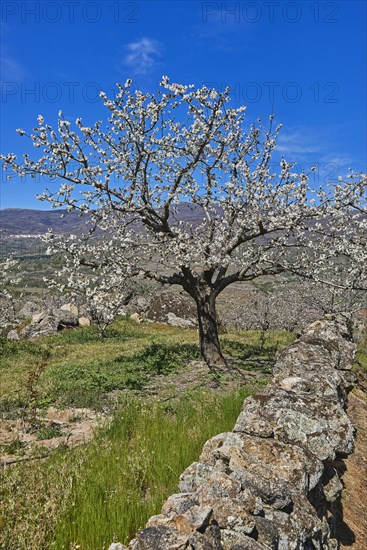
<point x="208" y="332"/>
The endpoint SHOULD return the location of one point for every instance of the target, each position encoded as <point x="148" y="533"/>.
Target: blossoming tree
<point x="186" y="149"/>
<point x="92" y="274"/>
<point x="9" y="276"/>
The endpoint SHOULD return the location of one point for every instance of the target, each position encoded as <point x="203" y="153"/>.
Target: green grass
<point x="255" y="350"/>
<point x="87" y="385"/>
<point x="80" y="369"/>
<point x="106" y="490"/>
<point x="15" y="446"/>
<point x="49" y="432"/>
<point x="85" y="498"/>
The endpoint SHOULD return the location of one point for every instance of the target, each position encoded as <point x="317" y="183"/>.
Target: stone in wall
<point x="271" y="483"/>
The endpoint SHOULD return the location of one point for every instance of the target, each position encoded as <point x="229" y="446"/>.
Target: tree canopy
<point x="185" y="150"/>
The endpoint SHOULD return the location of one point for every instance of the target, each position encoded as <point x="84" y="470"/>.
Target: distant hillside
<point x="20" y="221"/>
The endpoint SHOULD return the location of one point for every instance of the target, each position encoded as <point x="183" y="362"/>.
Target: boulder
<point x="48" y="325"/>
<point x="136" y="318"/>
<point x="38" y="317"/>
<point x="28" y="309"/>
<point x="138" y="304"/>
<point x="70" y="307"/>
<point x="13" y="335"/>
<point x="172" y="319"/>
<point x="49" y="322"/>
<point x="84" y="321"/>
<point x="178" y="304"/>
<point x="65" y="318"/>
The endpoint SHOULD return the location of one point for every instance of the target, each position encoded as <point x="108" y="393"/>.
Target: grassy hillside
<point x="78" y="368"/>
<point x="163" y="404"/>
<point x="87" y="497"/>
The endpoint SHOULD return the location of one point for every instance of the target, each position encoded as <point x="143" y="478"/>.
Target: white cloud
<point x="11" y="70"/>
<point x="299" y="142"/>
<point x="142" y="55"/>
<point x="339" y="160"/>
<point x="318" y="147"/>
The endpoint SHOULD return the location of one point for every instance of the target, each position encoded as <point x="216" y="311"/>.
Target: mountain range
<point x="24" y="221"/>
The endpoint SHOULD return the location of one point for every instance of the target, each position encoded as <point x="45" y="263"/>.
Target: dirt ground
<point x="352" y="524"/>
<point x="75" y="426"/>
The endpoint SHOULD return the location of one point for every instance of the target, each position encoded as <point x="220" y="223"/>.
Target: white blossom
<point x="179" y="175"/>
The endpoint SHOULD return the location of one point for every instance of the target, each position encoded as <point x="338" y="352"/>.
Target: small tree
<point x="322" y="298"/>
<point x="9" y="276"/>
<point x="175" y="175"/>
<point x="91" y="275"/>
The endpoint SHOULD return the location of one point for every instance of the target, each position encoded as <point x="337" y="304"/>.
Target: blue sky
<point x="304" y="60"/>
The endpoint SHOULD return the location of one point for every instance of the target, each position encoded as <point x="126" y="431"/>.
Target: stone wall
<point x="274" y="481"/>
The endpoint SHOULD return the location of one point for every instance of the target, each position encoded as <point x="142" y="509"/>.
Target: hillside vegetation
<point x="78" y="368"/>
<point x="159" y="404"/>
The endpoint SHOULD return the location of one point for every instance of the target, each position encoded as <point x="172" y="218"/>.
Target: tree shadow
<point x="250" y="357"/>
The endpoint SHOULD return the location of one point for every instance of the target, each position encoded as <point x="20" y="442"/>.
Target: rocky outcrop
<point x="70" y="307"/>
<point x="274" y="481"/>
<point x="172" y="307"/>
<point x="49" y="321"/>
<point x="27" y="310"/>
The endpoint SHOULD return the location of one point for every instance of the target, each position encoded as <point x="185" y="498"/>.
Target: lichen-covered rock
<point x="28" y="309"/>
<point x="70" y="307"/>
<point x="271" y="482"/>
<point x="300" y="357"/>
<point x="272" y="460"/>
<point x="329" y="383"/>
<point x="336" y="338"/>
<point x="318" y="424"/>
<point x="160" y="538"/>
<point x="179" y="503"/>
<point x="196" y="475"/>
<point x="207" y="453"/>
<point x="13" y="335"/>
